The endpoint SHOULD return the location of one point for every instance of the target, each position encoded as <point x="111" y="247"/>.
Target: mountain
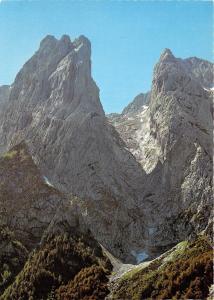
<point x="172" y="139"/>
<point x="139" y="202"/>
<point x="54" y="107"/>
<point x="78" y="189"/>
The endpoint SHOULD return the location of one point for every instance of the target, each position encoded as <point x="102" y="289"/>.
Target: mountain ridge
<point x="54" y="101"/>
<point x="78" y="188"/>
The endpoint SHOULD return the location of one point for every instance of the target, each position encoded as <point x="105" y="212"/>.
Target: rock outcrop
<point x="54" y="106"/>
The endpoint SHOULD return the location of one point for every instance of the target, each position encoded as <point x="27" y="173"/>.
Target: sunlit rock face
<point x="181" y="122"/>
<point x="172" y="139"/>
<point x="134" y="127"/>
<point x="54" y="106"/>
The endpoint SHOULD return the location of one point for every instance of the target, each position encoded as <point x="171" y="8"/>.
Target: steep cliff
<point x="172" y="139"/>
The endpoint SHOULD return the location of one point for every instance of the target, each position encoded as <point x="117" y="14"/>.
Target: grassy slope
<point x="182" y="273"/>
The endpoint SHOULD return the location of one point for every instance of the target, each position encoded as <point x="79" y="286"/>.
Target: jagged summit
<point x="192" y="68"/>
<point x="48" y="40"/>
<point x="65" y="38"/>
<point x="137" y="104"/>
<point x="167" y="54"/>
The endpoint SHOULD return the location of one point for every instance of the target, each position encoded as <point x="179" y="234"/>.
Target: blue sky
<point x="127" y="38"/>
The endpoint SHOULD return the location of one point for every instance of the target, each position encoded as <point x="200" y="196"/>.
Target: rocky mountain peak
<point x="65" y="38"/>
<point x="58" y="77"/>
<point x="166" y="55"/>
<point x="84" y="40"/>
<point x="51" y="44"/>
<point x="137" y="104"/>
<point x="202" y="70"/>
<point x="171" y="72"/>
<point x="48" y="41"/>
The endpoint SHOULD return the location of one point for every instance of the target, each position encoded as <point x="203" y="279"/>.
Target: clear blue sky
<point x="127" y="38"/>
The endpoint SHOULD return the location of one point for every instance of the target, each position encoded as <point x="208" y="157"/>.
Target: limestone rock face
<point x="201" y="70"/>
<point x="134" y="129"/>
<point x="181" y="117"/>
<point x="4" y="96"/>
<point x="136" y="104"/>
<point x="172" y="139"/>
<point x="54" y="106"/>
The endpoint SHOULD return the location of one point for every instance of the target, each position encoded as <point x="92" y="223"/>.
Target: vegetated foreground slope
<point x="184" y="272"/>
<point x="67" y="266"/>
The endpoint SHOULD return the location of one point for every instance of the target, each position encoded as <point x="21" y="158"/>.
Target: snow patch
<point x="140" y="256"/>
<point x="47" y="181"/>
<point x="211" y="89"/>
<point x="78" y="47"/>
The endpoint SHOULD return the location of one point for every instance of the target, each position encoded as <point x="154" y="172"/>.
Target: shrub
<point x="56" y="264"/>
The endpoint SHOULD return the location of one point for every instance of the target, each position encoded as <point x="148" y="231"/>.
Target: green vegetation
<point x="90" y="283"/>
<point x="10" y="154"/>
<point x="184" y="273"/>
<point x="65" y="265"/>
<point x="12" y="257"/>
